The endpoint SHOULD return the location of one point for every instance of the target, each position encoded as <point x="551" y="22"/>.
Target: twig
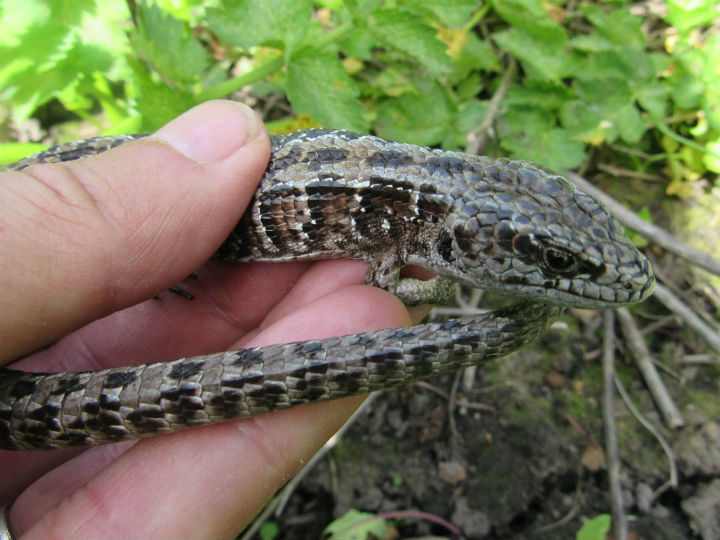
<point x="478" y="137"/>
<point x="451" y="405"/>
<point x="644" y="362"/>
<point x="617" y="171"/>
<point x="672" y="481"/>
<point x="674" y="304"/>
<point x="611" y="449"/>
<point x="461" y="402"/>
<point x="648" y="230"/>
<point x="694" y="359"/>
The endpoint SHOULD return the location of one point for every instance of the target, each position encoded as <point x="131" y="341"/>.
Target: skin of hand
<point x="84" y="248"/>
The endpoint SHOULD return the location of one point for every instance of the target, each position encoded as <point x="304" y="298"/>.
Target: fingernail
<point x="211" y="131"/>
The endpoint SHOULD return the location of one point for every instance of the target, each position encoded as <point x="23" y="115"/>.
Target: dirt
<point x="530" y="463"/>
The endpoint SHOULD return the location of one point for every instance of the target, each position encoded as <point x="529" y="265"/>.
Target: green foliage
<point x="355" y="525"/>
<point x="595" y="528"/>
<point x="269" y="530"/>
<point x="592" y="78"/>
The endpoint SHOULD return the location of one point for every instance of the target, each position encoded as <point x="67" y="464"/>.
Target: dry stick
<point x="611" y="449"/>
<point x="648" y="230"/>
<point x="673" y="480"/>
<point x="644" y="362"/>
<point x="478" y="137"/>
<point x="674" y="304"/>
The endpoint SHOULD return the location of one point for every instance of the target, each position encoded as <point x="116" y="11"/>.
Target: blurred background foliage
<point x="586" y="85"/>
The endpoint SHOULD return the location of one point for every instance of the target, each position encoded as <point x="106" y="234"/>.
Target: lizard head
<point x="518" y="228"/>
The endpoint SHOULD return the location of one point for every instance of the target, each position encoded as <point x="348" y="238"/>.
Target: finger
<point x="84" y="238"/>
<point x="238" y="464"/>
<point x="227" y="302"/>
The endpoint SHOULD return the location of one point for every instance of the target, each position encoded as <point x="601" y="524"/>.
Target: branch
<point x="644" y="362"/>
<point x="611" y="449"/>
<point x="674" y="304"/>
<point x="478" y="137"/>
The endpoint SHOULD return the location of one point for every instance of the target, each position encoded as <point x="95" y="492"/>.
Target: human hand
<point x="85" y="246"/>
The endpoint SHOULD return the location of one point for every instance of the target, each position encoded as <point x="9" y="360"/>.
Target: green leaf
<point x="595" y="528"/>
<point x="592" y="43"/>
<point x="529" y="133"/>
<point x="45" y="48"/>
<point x="687" y="16"/>
<point x="421" y="117"/>
<point x="554" y="148"/>
<point x="605" y="111"/>
<point x="156" y="101"/>
<point x="246" y="23"/>
<point x="451" y="13"/>
<point x="12" y="152"/>
<point x="474" y="55"/>
<point x="538" y="93"/>
<point x="654" y="99"/>
<point x="530" y="17"/>
<point x="167" y="43"/>
<point x="318" y="85"/>
<point x="358" y="44"/>
<point x="618" y="25"/>
<point x="543" y="59"/>
<point x="269" y="530"/>
<point x="32" y="88"/>
<point x="408" y="33"/>
<point x="688" y="92"/>
<point x="355" y="525"/>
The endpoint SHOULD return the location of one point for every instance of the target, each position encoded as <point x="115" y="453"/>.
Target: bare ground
<point x="525" y="459"/>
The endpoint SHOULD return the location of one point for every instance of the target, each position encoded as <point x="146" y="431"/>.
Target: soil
<point x="526" y="456"/>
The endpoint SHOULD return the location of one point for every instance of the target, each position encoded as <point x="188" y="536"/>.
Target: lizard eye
<point x="559" y="262"/>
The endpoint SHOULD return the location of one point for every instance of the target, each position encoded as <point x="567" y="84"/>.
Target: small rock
<point x="643" y="494"/>
<point x="593" y="458"/>
<point x="703" y="508"/>
<point x="474" y="523"/>
<point x="451" y="472"/>
<point x="555" y="379"/>
<point x="699" y="450"/>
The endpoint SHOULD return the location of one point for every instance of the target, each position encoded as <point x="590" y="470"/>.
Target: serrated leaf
<point x="157" y="102"/>
<point x="318" y="85"/>
<point x="474" y="55"/>
<point x="530" y="16"/>
<point x="605" y="111"/>
<point x="687" y="16"/>
<point x="246" y="23"/>
<point x="538" y="93"/>
<point x="408" y="33"/>
<point x="529" y="133"/>
<point x="421" y="117"/>
<point x="167" y="43"/>
<point x="548" y="60"/>
<point x="688" y="92"/>
<point x="358" y="44"/>
<point x="654" y="99"/>
<point x="47" y="40"/>
<point x="452" y="13"/>
<point x="35" y="87"/>
<point x="618" y="25"/>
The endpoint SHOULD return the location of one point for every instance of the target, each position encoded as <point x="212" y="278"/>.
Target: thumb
<point x="81" y="239"/>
